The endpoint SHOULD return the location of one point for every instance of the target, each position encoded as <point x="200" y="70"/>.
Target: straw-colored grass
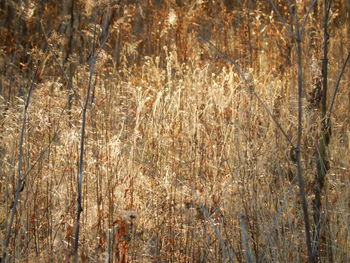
<point x="181" y="161"/>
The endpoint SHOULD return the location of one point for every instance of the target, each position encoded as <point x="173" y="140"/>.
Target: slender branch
<point x="289" y="29"/>
<point x="249" y="34"/>
<point x="64" y="73"/>
<point x="298" y="39"/>
<point x="248" y="86"/>
<point x="93" y="59"/>
<point x="306" y="16"/>
<point x="20" y="180"/>
<point x="323" y="141"/>
<point x="329" y="7"/>
<point x="325" y="61"/>
<point x="298" y="148"/>
<point x="342" y="71"/>
<point x="81" y="156"/>
<point x="281" y="18"/>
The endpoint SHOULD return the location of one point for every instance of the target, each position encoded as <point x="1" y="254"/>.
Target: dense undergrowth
<point x="182" y="163"/>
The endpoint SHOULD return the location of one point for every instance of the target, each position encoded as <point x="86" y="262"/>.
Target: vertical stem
<point x="81" y="163"/>
<point x="81" y="158"/>
<point x="71" y="68"/>
<point x="323" y="141"/>
<point x="83" y="127"/>
<point x="298" y="147"/>
<point x="325" y="59"/>
<point x="20" y="181"/>
<point x="249" y="34"/>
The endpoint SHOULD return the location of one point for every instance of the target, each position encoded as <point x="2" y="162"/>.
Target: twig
<point x="338" y="84"/>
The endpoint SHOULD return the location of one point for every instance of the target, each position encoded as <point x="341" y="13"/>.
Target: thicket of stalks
<point x="181" y="161"/>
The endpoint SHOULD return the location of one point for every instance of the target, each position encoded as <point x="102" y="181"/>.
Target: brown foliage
<point x="171" y="131"/>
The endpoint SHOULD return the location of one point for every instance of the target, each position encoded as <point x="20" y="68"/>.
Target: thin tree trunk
<point x="20" y="179"/>
<point x="93" y="59"/>
<point x="298" y="147"/>
<point x="322" y="163"/>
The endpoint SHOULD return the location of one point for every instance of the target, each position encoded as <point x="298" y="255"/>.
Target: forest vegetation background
<point x="174" y="131"/>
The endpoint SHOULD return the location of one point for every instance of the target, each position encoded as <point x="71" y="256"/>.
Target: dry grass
<point x="177" y="157"/>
